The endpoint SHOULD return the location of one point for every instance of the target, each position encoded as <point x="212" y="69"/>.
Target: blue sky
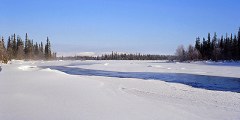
<point x="146" y="26"/>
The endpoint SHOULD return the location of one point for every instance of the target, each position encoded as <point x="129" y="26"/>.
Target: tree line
<point x="16" y="48"/>
<point x="120" y="56"/>
<point x="212" y="48"/>
<point x="137" y="56"/>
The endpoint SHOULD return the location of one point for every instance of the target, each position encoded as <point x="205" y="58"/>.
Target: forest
<point x="213" y="48"/>
<point x="16" y="48"/>
<point x="120" y="56"/>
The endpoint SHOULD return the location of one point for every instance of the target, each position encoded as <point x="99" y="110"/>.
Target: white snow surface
<point x="29" y="92"/>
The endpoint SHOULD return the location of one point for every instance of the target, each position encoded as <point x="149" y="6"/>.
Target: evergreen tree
<point x="41" y="51"/>
<point x="230" y="48"/>
<point x="238" y="46"/>
<point x="31" y="49"/>
<point x="27" y="47"/>
<point x="3" y="44"/>
<point x="2" y="50"/>
<point x="214" y="48"/>
<point x="214" y="41"/>
<point x="20" y="48"/>
<point x="36" y="51"/>
<point x="198" y="44"/>
<point x="204" y="49"/>
<point x="48" y="50"/>
<point x="221" y="46"/>
<point x="29" y="53"/>
<point x="9" y="48"/>
<point x="14" y="46"/>
<point x="208" y="47"/>
<point x="221" y="43"/>
<point x="235" y="48"/>
<point x="225" y="48"/>
<point x="41" y="47"/>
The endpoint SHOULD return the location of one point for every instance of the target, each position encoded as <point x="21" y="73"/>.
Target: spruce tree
<point x="20" y="48"/>
<point x="198" y="44"/>
<point x="48" y="50"/>
<point x="1" y="50"/>
<point x="230" y="48"/>
<point x="9" y="48"/>
<point x="221" y="46"/>
<point x="27" y="47"/>
<point x="208" y="47"/>
<point x="214" y="48"/>
<point x="204" y="49"/>
<point x="238" y="39"/>
<point x="214" y="41"/>
<point x="36" y="51"/>
<point x="235" y="48"/>
<point x="14" y="46"/>
<point x="224" y="48"/>
<point x="41" y="51"/>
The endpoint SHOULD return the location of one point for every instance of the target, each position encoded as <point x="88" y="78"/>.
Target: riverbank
<point x="29" y="91"/>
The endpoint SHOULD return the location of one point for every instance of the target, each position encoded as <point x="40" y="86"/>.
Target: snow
<point x="30" y="90"/>
<point x="106" y="64"/>
<point x="27" y="67"/>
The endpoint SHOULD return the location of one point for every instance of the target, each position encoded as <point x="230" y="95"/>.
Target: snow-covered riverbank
<point x="30" y="92"/>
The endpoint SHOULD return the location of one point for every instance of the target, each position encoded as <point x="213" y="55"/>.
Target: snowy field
<point x="119" y="90"/>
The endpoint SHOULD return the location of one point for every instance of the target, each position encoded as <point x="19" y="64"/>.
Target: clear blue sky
<point x="146" y="26"/>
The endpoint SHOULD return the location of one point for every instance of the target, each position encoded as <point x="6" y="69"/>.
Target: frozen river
<point x="199" y="81"/>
